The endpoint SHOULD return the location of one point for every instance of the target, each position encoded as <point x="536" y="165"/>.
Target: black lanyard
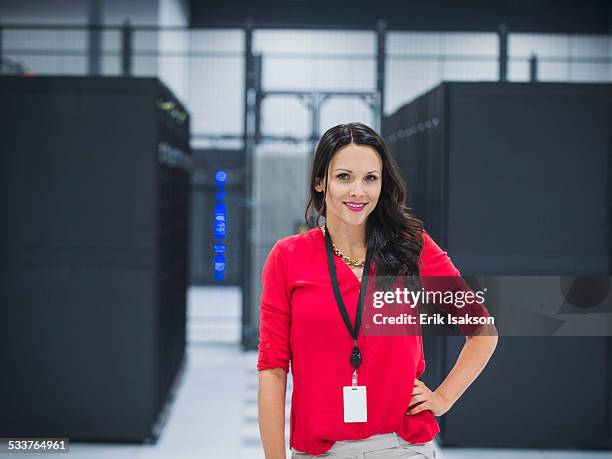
<point x="354" y="332"/>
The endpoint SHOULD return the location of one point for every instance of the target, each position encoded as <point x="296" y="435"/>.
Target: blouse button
<point x="267" y="345"/>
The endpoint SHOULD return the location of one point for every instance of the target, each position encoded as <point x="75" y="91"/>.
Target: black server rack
<point x="514" y="179"/>
<point x="202" y="235"/>
<point x="93" y="268"/>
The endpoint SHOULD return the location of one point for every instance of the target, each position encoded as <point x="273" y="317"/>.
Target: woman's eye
<point x="368" y="178"/>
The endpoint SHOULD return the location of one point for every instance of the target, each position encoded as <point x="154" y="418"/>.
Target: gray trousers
<point x="381" y="446"/>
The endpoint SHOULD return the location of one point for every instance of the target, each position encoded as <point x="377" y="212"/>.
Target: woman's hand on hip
<point x="425" y="399"/>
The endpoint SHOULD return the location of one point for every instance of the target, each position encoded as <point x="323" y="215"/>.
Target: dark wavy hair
<point x="392" y="233"/>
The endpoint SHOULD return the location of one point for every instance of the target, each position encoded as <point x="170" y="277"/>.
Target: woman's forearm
<point x="474" y="356"/>
<point x="271" y="412"/>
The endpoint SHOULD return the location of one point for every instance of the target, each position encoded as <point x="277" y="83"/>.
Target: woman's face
<point x="354" y="183"/>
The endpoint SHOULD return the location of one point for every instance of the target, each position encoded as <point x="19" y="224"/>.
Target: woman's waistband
<point x="374" y="443"/>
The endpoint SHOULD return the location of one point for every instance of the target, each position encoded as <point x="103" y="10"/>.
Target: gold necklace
<point x="350" y="261"/>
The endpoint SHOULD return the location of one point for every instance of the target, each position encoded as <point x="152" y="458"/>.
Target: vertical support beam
<point x="1" y="51"/>
<point x="249" y="329"/>
<point x="381" y="59"/>
<point x="126" y="48"/>
<point x="258" y="63"/>
<point x="95" y="38"/>
<point x="533" y="68"/>
<point x="315" y="117"/>
<point x="502" y="32"/>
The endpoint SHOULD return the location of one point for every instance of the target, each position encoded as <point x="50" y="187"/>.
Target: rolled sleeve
<point x="274" y="313"/>
<point x="437" y="265"/>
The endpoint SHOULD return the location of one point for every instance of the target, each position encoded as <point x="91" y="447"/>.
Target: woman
<point x="310" y="317"/>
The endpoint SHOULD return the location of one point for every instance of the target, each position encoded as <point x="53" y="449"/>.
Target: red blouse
<point x="300" y="323"/>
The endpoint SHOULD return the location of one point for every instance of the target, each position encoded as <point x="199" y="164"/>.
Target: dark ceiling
<point x="545" y="16"/>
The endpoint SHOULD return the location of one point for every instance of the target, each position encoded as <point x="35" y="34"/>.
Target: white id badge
<point x="355" y="404"/>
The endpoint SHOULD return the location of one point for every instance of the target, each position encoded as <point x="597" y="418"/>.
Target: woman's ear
<point x="319" y="185"/>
